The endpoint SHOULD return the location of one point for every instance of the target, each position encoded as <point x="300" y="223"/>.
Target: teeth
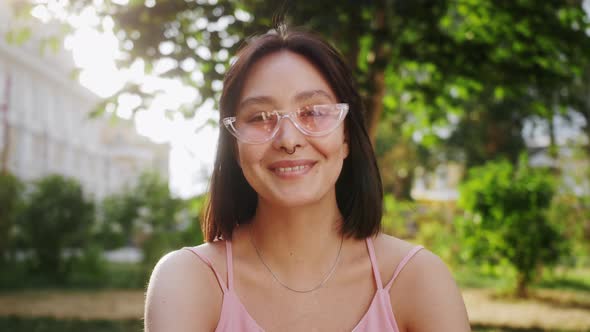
<point x="291" y="169"/>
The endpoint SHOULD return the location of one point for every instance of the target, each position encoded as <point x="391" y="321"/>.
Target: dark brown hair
<point x="359" y="192"/>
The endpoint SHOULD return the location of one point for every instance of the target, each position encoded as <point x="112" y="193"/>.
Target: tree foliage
<point x="56" y="217"/>
<point x="138" y="211"/>
<point x="440" y="73"/>
<point x="11" y="190"/>
<point x="147" y="215"/>
<point x="507" y="220"/>
<point x="116" y="224"/>
<point x="157" y="223"/>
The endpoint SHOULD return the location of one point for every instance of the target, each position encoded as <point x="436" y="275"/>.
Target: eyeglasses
<point x="257" y="125"/>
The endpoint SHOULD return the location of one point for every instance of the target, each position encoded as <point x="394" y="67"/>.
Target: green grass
<point x="110" y="275"/>
<point x="573" y="279"/>
<point x="18" y="324"/>
<point x="483" y="328"/>
<point x="473" y="277"/>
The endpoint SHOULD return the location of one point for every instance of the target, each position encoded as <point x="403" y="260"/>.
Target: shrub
<point x="428" y="224"/>
<point x="571" y="213"/>
<point x="11" y="189"/>
<point x="55" y="217"/>
<point x="506" y="218"/>
<point x="89" y="269"/>
<point x="115" y="228"/>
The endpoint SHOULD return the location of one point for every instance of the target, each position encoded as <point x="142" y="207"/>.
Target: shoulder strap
<point x="195" y="251"/>
<point x="373" y="259"/>
<point x="402" y="264"/>
<point x="230" y="265"/>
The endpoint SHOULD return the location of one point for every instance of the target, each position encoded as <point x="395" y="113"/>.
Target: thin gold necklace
<point x="332" y="269"/>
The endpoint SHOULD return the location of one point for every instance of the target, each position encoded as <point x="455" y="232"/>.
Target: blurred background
<point x="479" y="111"/>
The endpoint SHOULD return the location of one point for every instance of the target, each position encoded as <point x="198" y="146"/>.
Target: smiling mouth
<point x="291" y="169"/>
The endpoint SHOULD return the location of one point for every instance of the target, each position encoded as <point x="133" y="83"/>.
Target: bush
<point x="399" y="217"/>
<point x="55" y="217"/>
<point x="11" y="189"/>
<point x="118" y="213"/>
<point x="571" y="213"/>
<point x="441" y="239"/>
<point x="47" y="324"/>
<point x="506" y="219"/>
<point x="186" y="232"/>
<point x="148" y="217"/>
<point x="428" y="224"/>
<point x="88" y="269"/>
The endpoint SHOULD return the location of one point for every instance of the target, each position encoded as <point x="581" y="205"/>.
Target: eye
<point x="311" y="111"/>
<point x="260" y="117"/>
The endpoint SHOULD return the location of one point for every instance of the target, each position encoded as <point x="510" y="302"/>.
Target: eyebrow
<point x="305" y="95"/>
<point x="256" y="100"/>
<point x="299" y="97"/>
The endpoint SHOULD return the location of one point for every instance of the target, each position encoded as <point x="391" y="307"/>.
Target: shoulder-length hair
<point x="359" y="192"/>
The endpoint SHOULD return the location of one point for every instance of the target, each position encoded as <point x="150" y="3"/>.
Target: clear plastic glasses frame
<point x="259" y="132"/>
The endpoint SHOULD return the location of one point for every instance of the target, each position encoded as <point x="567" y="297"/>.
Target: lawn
<point x="121" y="310"/>
<point x="19" y="324"/>
<point x="558" y="302"/>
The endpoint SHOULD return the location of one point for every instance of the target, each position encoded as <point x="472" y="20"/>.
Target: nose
<point x="288" y="137"/>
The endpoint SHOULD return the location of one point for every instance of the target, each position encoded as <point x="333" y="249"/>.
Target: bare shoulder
<point x="424" y="296"/>
<point x="183" y="293"/>
<point x="390" y="251"/>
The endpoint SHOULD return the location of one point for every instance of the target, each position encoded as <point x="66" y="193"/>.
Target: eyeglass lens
<point x="259" y="123"/>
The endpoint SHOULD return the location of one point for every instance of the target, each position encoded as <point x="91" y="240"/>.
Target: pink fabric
<point x="235" y="317"/>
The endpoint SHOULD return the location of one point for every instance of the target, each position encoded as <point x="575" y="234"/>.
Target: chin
<point x="286" y="202"/>
<point x="292" y="199"/>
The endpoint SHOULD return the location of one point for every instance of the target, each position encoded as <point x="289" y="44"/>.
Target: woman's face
<point x="287" y="81"/>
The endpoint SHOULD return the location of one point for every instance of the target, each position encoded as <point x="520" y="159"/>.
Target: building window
<point x="16" y="109"/>
<point x="25" y="96"/>
<point x="40" y="109"/>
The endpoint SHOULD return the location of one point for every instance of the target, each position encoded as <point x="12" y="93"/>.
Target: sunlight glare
<point x="94" y="53"/>
<point x="153" y="124"/>
<point x="41" y="13"/>
<point x="87" y="18"/>
<point x="192" y="140"/>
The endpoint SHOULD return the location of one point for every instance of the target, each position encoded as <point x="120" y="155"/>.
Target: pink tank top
<point x="235" y="317"/>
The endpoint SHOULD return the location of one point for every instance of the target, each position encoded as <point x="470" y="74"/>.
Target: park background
<point x="479" y="111"/>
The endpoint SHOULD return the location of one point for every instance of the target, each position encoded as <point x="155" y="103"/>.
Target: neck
<point x="297" y="238"/>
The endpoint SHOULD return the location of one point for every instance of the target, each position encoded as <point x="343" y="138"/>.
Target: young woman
<point x="292" y="224"/>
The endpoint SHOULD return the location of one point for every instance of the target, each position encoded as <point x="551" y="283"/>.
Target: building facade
<point x="45" y="127"/>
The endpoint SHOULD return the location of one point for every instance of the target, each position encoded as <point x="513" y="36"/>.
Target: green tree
<point x="190" y="220"/>
<point x="506" y="218"/>
<point x="437" y="51"/>
<point x="56" y="216"/>
<point x="398" y="156"/>
<point x="117" y="216"/>
<point x="455" y="71"/>
<point x="159" y="205"/>
<point x="147" y="215"/>
<point x="570" y="208"/>
<point x="11" y="189"/>
<point x="577" y="97"/>
<point x="157" y="225"/>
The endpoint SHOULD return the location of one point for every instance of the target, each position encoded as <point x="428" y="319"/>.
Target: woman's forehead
<point x="299" y="97"/>
<point x="284" y="76"/>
